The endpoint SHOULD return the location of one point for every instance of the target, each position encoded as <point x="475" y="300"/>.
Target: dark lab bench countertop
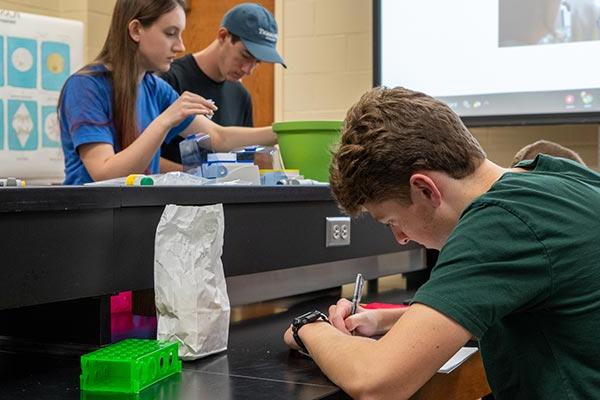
<point x="64" y="243"/>
<point x="257" y="365"/>
<point x="64" y="198"/>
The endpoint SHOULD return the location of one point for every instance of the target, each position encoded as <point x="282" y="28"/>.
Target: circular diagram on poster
<point x="51" y="127"/>
<point x="22" y="59"/>
<point x="55" y="63"/>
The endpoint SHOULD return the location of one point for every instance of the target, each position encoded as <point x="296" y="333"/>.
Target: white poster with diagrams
<point x="37" y="55"/>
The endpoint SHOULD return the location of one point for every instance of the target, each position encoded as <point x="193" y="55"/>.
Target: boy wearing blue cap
<point x="247" y="36"/>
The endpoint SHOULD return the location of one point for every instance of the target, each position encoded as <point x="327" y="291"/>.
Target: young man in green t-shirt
<point x="518" y="268"/>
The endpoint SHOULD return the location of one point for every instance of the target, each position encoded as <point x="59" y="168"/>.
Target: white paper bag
<point x="191" y="296"/>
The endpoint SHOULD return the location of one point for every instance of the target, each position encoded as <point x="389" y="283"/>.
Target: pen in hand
<point x="358" y="287"/>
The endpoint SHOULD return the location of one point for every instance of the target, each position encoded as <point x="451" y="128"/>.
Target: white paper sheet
<point x="457" y="359"/>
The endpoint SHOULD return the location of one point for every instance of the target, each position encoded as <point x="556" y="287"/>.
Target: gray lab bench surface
<point x="256" y="366"/>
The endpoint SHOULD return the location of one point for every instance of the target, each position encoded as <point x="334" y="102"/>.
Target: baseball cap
<point x="257" y="29"/>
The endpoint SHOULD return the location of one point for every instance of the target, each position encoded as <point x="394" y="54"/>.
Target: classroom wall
<point x="95" y="14"/>
<point x="328" y="48"/>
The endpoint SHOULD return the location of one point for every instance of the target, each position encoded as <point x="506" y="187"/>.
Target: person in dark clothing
<point x="247" y="36"/>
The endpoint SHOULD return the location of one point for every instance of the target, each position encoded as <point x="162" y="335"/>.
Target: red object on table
<point x="120" y="302"/>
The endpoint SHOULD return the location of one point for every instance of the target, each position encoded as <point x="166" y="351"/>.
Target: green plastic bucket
<point x="307" y="145"/>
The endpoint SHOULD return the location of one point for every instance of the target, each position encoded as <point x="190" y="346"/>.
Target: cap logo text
<point x="268" y="35"/>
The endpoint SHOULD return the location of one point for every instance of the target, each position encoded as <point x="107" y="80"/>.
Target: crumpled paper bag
<point x="191" y="295"/>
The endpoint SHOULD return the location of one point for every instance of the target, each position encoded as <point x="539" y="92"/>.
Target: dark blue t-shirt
<point x="86" y="116"/>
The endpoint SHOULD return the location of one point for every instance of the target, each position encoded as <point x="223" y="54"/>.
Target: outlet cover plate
<point x="337" y="231"/>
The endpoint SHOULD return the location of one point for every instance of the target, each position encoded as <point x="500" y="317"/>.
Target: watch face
<point x="299" y="321"/>
<point x="309" y="317"/>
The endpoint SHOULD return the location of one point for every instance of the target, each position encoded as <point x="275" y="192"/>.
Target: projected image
<point x="511" y="60"/>
<point x="535" y="22"/>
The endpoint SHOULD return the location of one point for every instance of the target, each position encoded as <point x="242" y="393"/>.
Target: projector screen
<point x="494" y="61"/>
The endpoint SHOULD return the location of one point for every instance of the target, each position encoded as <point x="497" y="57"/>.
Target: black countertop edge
<point x="63" y="198"/>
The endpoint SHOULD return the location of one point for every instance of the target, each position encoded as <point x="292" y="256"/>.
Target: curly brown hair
<point x="388" y="135"/>
<point x="530" y="151"/>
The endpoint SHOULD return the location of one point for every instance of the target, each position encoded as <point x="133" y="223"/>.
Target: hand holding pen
<point x="349" y="317"/>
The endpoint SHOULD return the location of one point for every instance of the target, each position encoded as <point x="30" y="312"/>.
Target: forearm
<point x="387" y="318"/>
<point x="169" y="166"/>
<point x="349" y="361"/>
<point x="136" y="158"/>
<point x="231" y="137"/>
<point x="396" y="365"/>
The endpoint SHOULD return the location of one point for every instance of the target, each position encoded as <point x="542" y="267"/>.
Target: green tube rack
<point x="129" y="366"/>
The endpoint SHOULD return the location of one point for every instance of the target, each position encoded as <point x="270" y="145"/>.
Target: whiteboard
<point x="37" y="55"/>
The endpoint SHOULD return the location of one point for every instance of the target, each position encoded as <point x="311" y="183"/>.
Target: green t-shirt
<point x="521" y="272"/>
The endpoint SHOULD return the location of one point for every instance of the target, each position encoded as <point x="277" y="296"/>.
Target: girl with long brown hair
<point x="114" y="113"/>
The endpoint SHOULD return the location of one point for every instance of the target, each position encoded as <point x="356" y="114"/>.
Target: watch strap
<point x="299" y="322"/>
<point x="299" y="341"/>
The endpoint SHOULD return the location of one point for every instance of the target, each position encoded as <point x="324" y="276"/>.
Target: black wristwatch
<point x="299" y="322"/>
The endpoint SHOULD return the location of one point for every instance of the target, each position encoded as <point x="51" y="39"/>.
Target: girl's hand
<point x="187" y="104"/>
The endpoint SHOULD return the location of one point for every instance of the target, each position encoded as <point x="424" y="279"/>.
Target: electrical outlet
<point x="337" y="231"/>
